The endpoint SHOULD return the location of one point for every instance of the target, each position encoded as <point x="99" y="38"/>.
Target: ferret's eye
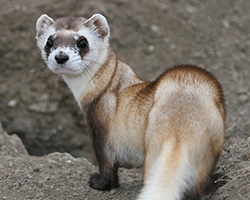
<point x="49" y="43"/>
<point x="82" y="44"/>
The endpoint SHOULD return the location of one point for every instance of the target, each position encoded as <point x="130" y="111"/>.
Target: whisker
<point x="27" y="71"/>
<point x="100" y="80"/>
<point x="34" y="68"/>
<point x="93" y="61"/>
<point x="89" y="72"/>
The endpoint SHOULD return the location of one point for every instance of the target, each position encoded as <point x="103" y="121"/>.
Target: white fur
<point x="104" y="25"/>
<point x="168" y="185"/>
<point x="78" y="85"/>
<point x="127" y="153"/>
<point x="88" y="66"/>
<point x="73" y="66"/>
<point x="76" y="72"/>
<point x="47" y="30"/>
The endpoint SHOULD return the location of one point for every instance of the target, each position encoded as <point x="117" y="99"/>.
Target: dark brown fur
<point x="69" y="23"/>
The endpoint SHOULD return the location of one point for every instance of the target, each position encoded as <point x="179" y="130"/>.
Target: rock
<point x="61" y="176"/>
<point x="151" y="48"/>
<point x="172" y="46"/>
<point x="226" y="24"/>
<point x="244" y="98"/>
<point x="39" y="194"/>
<point x="191" y="9"/>
<point x="54" y="176"/>
<point x="154" y="28"/>
<point x="11" y="145"/>
<point x="44" y="107"/>
<point x="12" y="103"/>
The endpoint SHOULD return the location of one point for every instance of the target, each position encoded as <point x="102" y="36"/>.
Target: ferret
<point x="173" y="126"/>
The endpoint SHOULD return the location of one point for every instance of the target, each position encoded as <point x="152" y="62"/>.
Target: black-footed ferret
<point x="174" y="125"/>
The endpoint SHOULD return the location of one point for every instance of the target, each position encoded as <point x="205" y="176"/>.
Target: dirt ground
<point x="150" y="36"/>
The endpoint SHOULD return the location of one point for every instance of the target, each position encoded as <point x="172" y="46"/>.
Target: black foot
<point x="219" y="180"/>
<point x="100" y="182"/>
<point x="216" y="181"/>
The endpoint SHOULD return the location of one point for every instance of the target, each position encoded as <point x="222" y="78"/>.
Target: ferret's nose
<point x="61" y="58"/>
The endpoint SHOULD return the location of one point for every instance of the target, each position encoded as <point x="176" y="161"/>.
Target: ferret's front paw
<point x="99" y="182"/>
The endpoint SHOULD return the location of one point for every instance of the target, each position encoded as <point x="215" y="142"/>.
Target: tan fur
<point x="176" y="122"/>
<point x="173" y="116"/>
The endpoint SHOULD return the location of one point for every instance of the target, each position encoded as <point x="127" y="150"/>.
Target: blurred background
<point x="150" y="36"/>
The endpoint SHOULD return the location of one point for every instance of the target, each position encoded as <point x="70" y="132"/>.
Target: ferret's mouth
<point x="65" y="70"/>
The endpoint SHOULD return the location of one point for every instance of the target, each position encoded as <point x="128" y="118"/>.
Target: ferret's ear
<point x="42" y="25"/>
<point x="99" y="25"/>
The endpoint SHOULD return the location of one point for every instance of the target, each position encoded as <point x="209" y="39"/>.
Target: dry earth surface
<point x="151" y="36"/>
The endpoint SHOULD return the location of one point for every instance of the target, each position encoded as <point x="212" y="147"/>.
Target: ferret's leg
<point x="107" y="178"/>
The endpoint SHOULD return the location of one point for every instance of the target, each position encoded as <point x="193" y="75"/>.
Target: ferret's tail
<point x="170" y="176"/>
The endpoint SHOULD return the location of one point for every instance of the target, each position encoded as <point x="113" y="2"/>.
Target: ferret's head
<point x="73" y="45"/>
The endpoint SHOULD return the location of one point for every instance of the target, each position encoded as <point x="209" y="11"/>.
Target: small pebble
<point x="11" y="164"/>
<point x="39" y="194"/>
<point x="151" y="48"/>
<point x="172" y="46"/>
<point x="12" y="103"/>
<point x="155" y="28"/>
